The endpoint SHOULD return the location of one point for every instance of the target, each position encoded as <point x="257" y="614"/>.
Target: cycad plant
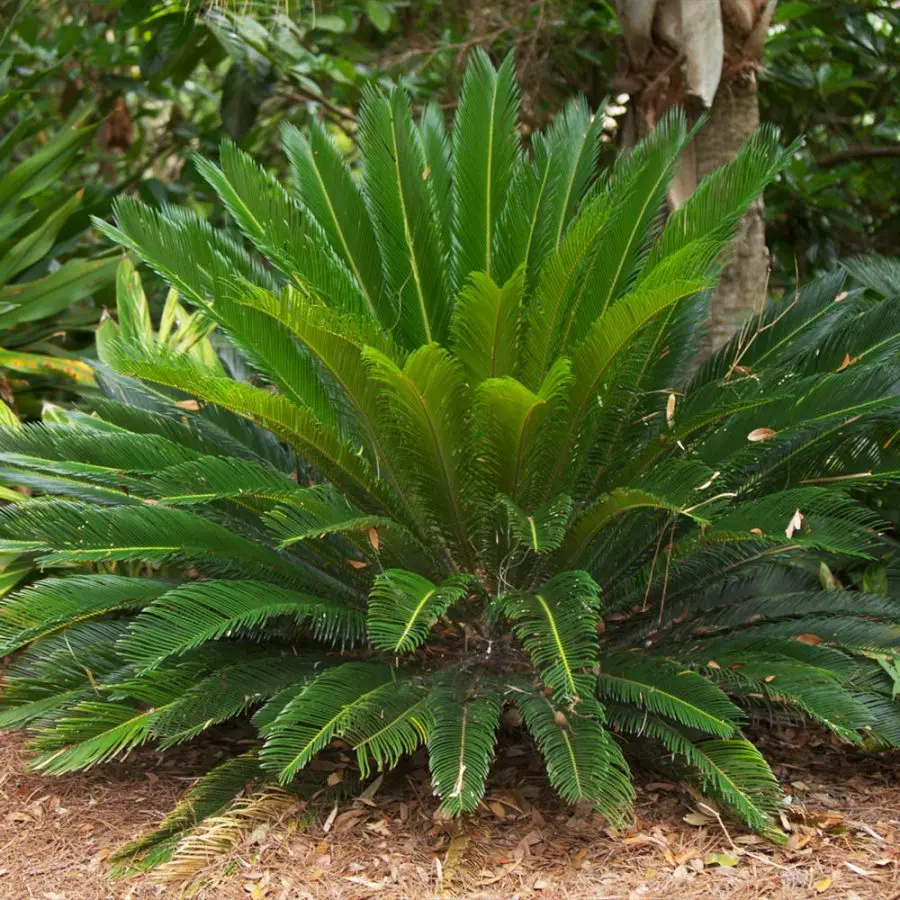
<point x="454" y="456"/>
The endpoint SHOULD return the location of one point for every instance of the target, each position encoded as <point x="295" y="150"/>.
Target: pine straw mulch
<point x="55" y="835"/>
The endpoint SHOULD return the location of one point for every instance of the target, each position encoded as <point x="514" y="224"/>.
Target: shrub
<point x="43" y="283"/>
<point x="455" y="455"/>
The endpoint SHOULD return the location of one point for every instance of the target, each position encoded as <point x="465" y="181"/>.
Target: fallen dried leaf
<point x="798" y="841"/>
<point x="858" y="870"/>
<point x="497" y="809"/>
<point x="795" y="524"/>
<point x="697" y="819"/>
<point x="811" y="639"/>
<point x="368" y="794"/>
<point x="326" y="827"/>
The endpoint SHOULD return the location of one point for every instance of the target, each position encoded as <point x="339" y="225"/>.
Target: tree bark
<point x="742" y="288"/>
<point x="704" y="55"/>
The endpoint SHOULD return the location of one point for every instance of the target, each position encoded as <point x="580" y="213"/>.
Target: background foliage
<point x="169" y="78"/>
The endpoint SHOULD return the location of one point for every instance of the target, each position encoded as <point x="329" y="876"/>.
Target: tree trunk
<point x="704" y="55"/>
<point x="742" y="286"/>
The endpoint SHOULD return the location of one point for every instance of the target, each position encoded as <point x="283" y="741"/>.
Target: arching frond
<point x="228" y="692"/>
<point x="387" y="725"/>
<point x="584" y="762"/>
<point x="557" y="626"/>
<point x="211" y="478"/>
<point x="319" y="713"/>
<point x="465" y="714"/>
<point x="64" y="532"/>
<point x="403" y="606"/>
<point x="192" y="614"/>
<point x="732" y="772"/>
<point x="485" y="156"/>
<point x="669" y="690"/>
<point x="45" y="608"/>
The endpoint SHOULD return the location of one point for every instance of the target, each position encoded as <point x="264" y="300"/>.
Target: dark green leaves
<point x="403" y="606"/>
<point x="557" y="626"/>
<point x="466" y="713"/>
<point x="308" y="722"/>
<point x="584" y="762"/>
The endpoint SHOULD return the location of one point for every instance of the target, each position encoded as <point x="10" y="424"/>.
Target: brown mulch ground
<point x="55" y="834"/>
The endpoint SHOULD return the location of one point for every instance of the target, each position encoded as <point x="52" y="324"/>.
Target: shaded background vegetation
<point x="169" y="78"/>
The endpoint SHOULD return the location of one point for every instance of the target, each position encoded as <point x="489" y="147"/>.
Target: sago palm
<point x="455" y="456"/>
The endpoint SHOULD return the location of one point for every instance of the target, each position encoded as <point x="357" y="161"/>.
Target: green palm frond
<point x="485" y="326"/>
<point x="228" y="692"/>
<point x="667" y="689"/>
<point x="519" y="432"/>
<point x="57" y="672"/>
<point x="96" y="730"/>
<point x="731" y="771"/>
<point x="813" y="691"/>
<point x="557" y="627"/>
<point x="638" y="184"/>
<point x="544" y="529"/>
<point x="65" y="532"/>
<point x="192" y="614"/>
<point x="424" y="403"/>
<point x="439" y="166"/>
<point x="485" y="156"/>
<point x="878" y="273"/>
<point x="328" y="192"/>
<point x="317" y="511"/>
<point x="465" y="715"/>
<point x="387" y="725"/>
<point x="309" y="721"/>
<point x="401" y="210"/>
<point x="403" y="606"/>
<point x="212" y="478"/>
<point x="584" y="762"/>
<point x="54" y="604"/>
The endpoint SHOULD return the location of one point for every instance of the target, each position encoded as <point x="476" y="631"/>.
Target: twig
<point x="858" y="154"/>
<point x="868" y="830"/>
<point x="662" y="531"/>
<point x="337" y="111"/>
<point x="670" y="549"/>
<point x="836" y="478"/>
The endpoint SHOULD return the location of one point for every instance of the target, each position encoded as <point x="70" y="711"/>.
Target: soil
<point x="843" y="821"/>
